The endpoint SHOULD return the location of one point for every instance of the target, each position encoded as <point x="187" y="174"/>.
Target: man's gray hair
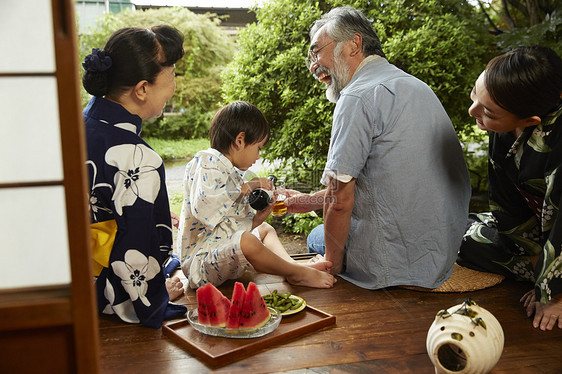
<point x="341" y="25"/>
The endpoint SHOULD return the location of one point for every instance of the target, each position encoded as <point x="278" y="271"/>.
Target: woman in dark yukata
<point x="131" y="79"/>
<point x="518" y="100"/>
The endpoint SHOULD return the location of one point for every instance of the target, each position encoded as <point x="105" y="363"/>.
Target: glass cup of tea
<point x="279" y="207"/>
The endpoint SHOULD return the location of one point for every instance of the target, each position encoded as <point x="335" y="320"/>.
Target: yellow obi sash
<point x="103" y="236"/>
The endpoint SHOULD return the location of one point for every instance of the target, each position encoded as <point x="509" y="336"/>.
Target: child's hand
<point x="261" y="215"/>
<point x="263" y="183"/>
<point x="175" y="220"/>
<point x="256" y="183"/>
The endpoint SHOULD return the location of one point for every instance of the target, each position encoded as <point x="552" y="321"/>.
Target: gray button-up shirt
<point x="391" y="134"/>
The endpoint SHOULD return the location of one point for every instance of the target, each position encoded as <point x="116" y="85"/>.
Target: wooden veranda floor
<point x="380" y="331"/>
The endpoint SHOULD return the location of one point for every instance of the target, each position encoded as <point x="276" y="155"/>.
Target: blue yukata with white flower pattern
<point x="213" y="218"/>
<point x="127" y="184"/>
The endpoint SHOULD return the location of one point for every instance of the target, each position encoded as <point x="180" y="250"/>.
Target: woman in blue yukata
<point x="518" y="100"/>
<point x="220" y="237"/>
<point x="131" y="79"/>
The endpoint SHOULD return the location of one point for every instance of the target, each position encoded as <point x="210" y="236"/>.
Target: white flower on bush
<point x="135" y="272"/>
<point x="137" y="176"/>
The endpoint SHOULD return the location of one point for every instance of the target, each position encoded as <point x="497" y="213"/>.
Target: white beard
<point x="331" y="95"/>
<point x="340" y="79"/>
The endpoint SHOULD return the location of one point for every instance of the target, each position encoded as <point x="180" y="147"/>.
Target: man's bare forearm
<point x="303" y="203"/>
<point x="339" y="199"/>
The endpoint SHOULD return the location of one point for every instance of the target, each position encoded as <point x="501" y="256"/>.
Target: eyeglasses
<point x="313" y="55"/>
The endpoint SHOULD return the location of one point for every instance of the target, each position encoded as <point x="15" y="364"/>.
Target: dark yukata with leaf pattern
<point x="525" y="189"/>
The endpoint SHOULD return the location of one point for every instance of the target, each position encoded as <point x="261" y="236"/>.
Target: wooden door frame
<point x="68" y="309"/>
<point x="76" y="186"/>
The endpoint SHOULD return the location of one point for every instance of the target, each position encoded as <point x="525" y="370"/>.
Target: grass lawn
<point x="177" y="149"/>
<point x="182" y="149"/>
<point x="176" y="199"/>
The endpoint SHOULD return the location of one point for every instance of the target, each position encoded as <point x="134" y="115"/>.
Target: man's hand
<point x="297" y="202"/>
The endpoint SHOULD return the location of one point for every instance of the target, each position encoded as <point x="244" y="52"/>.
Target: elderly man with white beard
<point x="397" y="186"/>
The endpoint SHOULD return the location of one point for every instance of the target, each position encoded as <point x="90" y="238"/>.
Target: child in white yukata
<point x="220" y="236"/>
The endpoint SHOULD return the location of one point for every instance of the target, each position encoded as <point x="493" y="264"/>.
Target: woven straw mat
<point x="464" y="280"/>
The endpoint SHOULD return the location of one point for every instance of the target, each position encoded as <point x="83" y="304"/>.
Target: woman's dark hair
<point x="526" y="81"/>
<point x="343" y="22"/>
<point x="136" y="54"/>
<point x="234" y="118"/>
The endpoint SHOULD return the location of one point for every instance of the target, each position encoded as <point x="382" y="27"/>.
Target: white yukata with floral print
<point x="213" y="218"/>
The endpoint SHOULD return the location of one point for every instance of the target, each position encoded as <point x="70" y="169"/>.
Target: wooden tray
<point x="219" y="351"/>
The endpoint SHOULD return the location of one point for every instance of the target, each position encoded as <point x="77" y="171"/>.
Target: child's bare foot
<point x="316" y="258"/>
<point x="322" y="265"/>
<point x="311" y="277"/>
<point x="547" y="314"/>
<point x="174" y="286"/>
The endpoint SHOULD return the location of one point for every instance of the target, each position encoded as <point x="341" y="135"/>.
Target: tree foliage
<point x="518" y="23"/>
<point x="208" y="49"/>
<point x="270" y="72"/>
<point x="511" y="14"/>
<point x="442" y="42"/>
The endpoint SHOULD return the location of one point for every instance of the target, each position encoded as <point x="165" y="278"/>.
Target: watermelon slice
<point x="212" y="306"/>
<point x="238" y="295"/>
<point x="246" y="311"/>
<point x="254" y="313"/>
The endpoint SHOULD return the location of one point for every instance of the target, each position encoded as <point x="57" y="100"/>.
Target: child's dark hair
<point x="234" y="118"/>
<point x="135" y="54"/>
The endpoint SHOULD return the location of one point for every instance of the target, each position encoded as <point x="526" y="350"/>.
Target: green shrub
<point x="442" y="42"/>
<point x="475" y="150"/>
<point x="301" y="223"/>
<point x="192" y="124"/>
<point x="208" y="49"/>
<point x="547" y="33"/>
